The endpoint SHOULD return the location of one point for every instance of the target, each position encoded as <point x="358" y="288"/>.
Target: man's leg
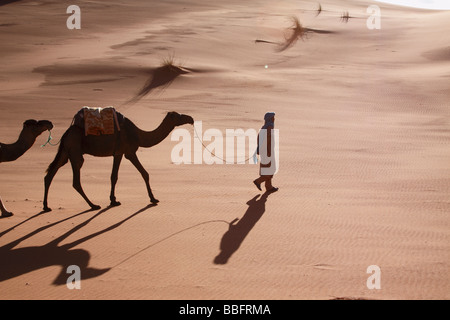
<point x="259" y="181"/>
<point x="266" y="179"/>
<point x="268" y="183"/>
<point x="269" y="186"/>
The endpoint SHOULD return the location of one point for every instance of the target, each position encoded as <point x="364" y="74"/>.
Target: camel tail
<point x="58" y="154"/>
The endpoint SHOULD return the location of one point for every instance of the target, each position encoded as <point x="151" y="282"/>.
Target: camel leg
<point x="60" y="160"/>
<point x="114" y="177"/>
<point x="135" y="161"/>
<point x="5" y="213"/>
<point x="77" y="163"/>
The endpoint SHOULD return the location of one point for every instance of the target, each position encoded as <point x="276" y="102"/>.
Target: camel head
<point x="37" y="127"/>
<point x="178" y="119"/>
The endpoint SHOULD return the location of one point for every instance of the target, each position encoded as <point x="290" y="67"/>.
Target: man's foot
<point x="274" y="189"/>
<point x="258" y="185"/>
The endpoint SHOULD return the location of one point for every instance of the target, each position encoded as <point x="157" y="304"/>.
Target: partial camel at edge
<point x="11" y="152"/>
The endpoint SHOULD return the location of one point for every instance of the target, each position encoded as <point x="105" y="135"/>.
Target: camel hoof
<point x="115" y="203"/>
<point x="6" y="214"/>
<point x="95" y="207"/>
<point x="154" y="201"/>
<point x="47" y="209"/>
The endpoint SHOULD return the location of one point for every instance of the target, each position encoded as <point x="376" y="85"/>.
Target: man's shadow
<point x="18" y="261"/>
<point x="237" y="232"/>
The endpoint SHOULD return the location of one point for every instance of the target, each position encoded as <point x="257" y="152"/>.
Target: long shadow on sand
<point x="41" y="228"/>
<point x="16" y="262"/>
<point x="236" y="234"/>
<point x="5" y="2"/>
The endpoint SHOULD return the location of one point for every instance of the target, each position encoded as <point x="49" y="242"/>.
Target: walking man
<point x="266" y="151"/>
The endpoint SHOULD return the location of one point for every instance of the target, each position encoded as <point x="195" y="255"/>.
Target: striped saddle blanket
<point x="98" y="121"/>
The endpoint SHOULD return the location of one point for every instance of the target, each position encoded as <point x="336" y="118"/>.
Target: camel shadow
<point x="41" y="228"/>
<point x="8" y="2"/>
<point x="237" y="232"/>
<point x="19" y="261"/>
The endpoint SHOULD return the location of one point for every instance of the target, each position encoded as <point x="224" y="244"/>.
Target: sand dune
<point x="364" y="151"/>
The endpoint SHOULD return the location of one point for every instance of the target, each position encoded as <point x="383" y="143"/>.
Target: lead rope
<point x="254" y="157"/>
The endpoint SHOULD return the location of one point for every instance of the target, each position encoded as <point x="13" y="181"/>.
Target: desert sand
<point x="364" y="178"/>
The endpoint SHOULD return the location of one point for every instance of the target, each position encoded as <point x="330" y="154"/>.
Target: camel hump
<point x="98" y="121"/>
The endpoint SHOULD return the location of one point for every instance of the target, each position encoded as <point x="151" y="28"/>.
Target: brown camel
<point x="10" y="152"/>
<point x="74" y="143"/>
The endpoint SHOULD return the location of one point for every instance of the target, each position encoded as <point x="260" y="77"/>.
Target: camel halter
<point x="49" y="139"/>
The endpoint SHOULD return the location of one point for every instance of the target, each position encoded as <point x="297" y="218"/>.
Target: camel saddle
<point x="98" y="121"/>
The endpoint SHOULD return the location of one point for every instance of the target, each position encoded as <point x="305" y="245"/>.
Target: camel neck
<point x="11" y="152"/>
<point x="148" y="139"/>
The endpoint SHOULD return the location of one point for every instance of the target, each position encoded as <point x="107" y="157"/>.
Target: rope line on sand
<point x="171" y="236"/>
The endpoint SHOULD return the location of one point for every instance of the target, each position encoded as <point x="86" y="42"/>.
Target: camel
<point x="10" y="152"/>
<point x="124" y="142"/>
